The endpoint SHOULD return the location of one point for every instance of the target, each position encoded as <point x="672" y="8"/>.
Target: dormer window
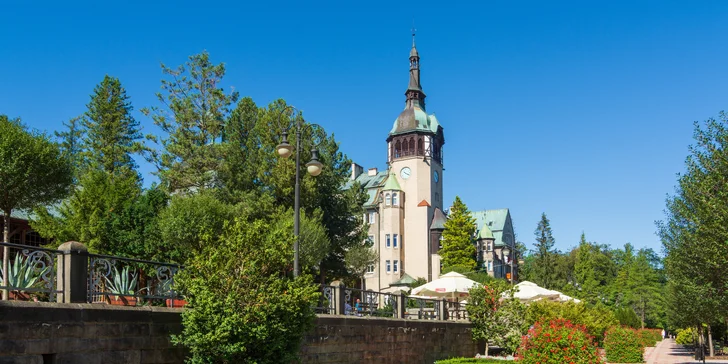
<point x="387" y="200"/>
<point x="395" y="201"/>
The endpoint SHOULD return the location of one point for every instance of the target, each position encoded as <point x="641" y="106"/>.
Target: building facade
<point x="404" y="208"/>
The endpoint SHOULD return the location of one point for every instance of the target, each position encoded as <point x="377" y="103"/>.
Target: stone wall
<point x="44" y="333"/>
<point x="347" y="339"/>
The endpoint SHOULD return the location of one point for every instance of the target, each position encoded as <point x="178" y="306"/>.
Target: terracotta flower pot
<point x="123" y="300"/>
<point x="19" y="296"/>
<point x="175" y="302"/>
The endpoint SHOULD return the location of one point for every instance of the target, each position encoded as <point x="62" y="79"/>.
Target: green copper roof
<point x="414" y="118"/>
<point x="485" y="233"/>
<point x="494" y="220"/>
<point x="391" y="183"/>
<point x="404" y="281"/>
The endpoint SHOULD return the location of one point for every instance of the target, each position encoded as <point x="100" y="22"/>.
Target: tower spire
<point x="413" y="33"/>
<point x="415" y="95"/>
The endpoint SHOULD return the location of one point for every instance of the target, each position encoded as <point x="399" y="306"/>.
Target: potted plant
<point x="21" y="276"/>
<point x="165" y="288"/>
<point x="122" y="287"/>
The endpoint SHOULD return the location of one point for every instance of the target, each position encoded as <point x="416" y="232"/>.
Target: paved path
<point x="667" y="352"/>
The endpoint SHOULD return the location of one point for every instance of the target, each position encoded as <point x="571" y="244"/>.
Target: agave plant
<point x="124" y="284"/>
<point x="22" y="275"/>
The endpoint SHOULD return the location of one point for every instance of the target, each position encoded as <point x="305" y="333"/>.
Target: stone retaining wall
<point x="55" y="333"/>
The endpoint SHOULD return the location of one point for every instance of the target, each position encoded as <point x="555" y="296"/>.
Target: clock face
<point x="436" y="177"/>
<point x="405" y="173"/>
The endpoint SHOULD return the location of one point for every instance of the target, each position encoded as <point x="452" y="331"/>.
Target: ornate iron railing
<point x="326" y="301"/>
<point x="358" y="302"/>
<point x="112" y="279"/>
<point x="457" y="311"/>
<point x="422" y="308"/>
<point x="31" y="273"/>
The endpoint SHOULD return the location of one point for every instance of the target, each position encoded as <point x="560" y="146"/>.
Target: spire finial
<point x="413" y="33"/>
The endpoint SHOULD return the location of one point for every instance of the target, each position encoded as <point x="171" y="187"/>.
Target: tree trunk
<point x="6" y="251"/>
<point x="643" y="314"/>
<point x="710" y="342"/>
<point x="486" y="348"/>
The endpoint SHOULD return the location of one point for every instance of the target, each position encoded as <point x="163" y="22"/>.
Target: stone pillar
<point x="442" y="315"/>
<point x="339" y="297"/>
<point x="402" y="305"/>
<point x="72" y="272"/>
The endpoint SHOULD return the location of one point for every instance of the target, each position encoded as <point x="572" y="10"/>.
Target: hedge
<point x="622" y="345"/>
<point x="471" y="360"/>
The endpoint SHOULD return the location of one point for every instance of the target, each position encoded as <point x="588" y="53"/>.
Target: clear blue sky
<point x="581" y="111"/>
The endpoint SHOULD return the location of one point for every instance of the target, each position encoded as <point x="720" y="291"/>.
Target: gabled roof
<point x="495" y="221"/>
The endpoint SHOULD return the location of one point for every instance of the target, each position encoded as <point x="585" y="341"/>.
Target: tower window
<point x="388" y="241"/>
<point x="372" y="217"/>
<point x="396" y="264"/>
<point x="387" y="200"/>
<point x="490" y="266"/>
<point x="370" y="268"/>
<point x="389" y="266"/>
<point x="394" y="241"/>
<point x="395" y="201"/>
<point x="420" y="147"/>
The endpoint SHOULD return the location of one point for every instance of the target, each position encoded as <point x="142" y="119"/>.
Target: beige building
<point x="405" y="209"/>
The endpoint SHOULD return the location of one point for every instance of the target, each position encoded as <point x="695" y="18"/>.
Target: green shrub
<point x="242" y="306"/>
<point x="471" y="360"/>
<point x="649" y="337"/>
<point x="685" y="337"/>
<point x="627" y="317"/>
<point x="622" y="345"/>
<point x="558" y="341"/>
<point x="596" y="319"/>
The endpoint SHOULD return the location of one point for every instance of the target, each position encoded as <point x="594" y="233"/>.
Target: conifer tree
<point x="457" y="238"/>
<point x="71" y="144"/>
<point x="545" y="255"/>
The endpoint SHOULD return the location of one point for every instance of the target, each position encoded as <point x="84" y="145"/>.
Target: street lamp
<point x="313" y="167"/>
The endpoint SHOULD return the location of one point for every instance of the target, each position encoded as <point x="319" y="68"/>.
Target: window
<point x="490" y="266"/>
<point x="441" y="239"/>
<point x="489" y="247"/>
<point x="370" y="239"/>
<point x="396" y="263"/>
<point x="370" y="268"/>
<point x="395" y="241"/>
<point x="372" y="217"/>
<point x="389" y="267"/>
<point x="394" y="199"/>
<point x="388" y="240"/>
<point x="387" y="200"/>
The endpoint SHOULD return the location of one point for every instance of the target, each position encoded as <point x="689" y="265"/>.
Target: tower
<point x="414" y="156"/>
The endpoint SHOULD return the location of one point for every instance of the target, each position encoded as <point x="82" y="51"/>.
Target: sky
<point x="580" y="110"/>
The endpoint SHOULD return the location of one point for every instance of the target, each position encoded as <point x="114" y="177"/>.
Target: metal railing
<point x="31" y="273"/>
<point x="326" y="301"/>
<point x="112" y="279"/>
<point x="358" y="302"/>
<point x="423" y="308"/>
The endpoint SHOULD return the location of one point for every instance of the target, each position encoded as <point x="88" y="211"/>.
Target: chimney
<point x="372" y="172"/>
<point x="356" y="170"/>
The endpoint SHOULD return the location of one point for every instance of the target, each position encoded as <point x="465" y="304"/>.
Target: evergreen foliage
<point x="457" y="243"/>
<point x="544" y="256"/>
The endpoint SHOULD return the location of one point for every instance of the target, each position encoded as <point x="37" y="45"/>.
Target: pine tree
<point x="71" y="142"/>
<point x="112" y="135"/>
<point x="545" y="255"/>
<point x="457" y="238"/>
<point x="193" y="118"/>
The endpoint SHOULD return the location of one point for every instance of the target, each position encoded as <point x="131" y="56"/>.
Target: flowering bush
<point x="558" y="341"/>
<point x="649" y="337"/>
<point x="623" y="345"/>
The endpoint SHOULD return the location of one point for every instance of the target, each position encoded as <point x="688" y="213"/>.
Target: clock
<point x="436" y="177"/>
<point x="405" y="173"/>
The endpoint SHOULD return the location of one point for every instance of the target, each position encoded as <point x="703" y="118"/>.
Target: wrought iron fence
<point x="457" y="311"/>
<point x="126" y="281"/>
<point x="326" y="301"/>
<point x="31" y="273"/>
<point x="358" y="302"/>
<point x="422" y="308"/>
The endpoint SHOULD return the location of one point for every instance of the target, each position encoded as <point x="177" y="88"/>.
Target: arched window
<point x="412" y="146"/>
<point x="405" y="150"/>
<point x="387" y="200"/>
<point x="420" y="147"/>
<point x="395" y="201"/>
<point x="397" y="149"/>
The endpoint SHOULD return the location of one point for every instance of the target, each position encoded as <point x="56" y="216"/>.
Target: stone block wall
<point x="57" y="333"/>
<point x="348" y="339"/>
<point x="70" y="333"/>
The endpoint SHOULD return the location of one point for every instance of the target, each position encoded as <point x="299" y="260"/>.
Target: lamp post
<point x="313" y="167"/>
<point x="507" y="253"/>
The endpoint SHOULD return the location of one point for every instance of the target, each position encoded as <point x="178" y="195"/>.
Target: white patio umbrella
<point x="450" y="285"/>
<point x="529" y="291"/>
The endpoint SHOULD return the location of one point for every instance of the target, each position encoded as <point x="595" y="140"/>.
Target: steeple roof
<point x="438" y="220"/>
<point x="391" y="183"/>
